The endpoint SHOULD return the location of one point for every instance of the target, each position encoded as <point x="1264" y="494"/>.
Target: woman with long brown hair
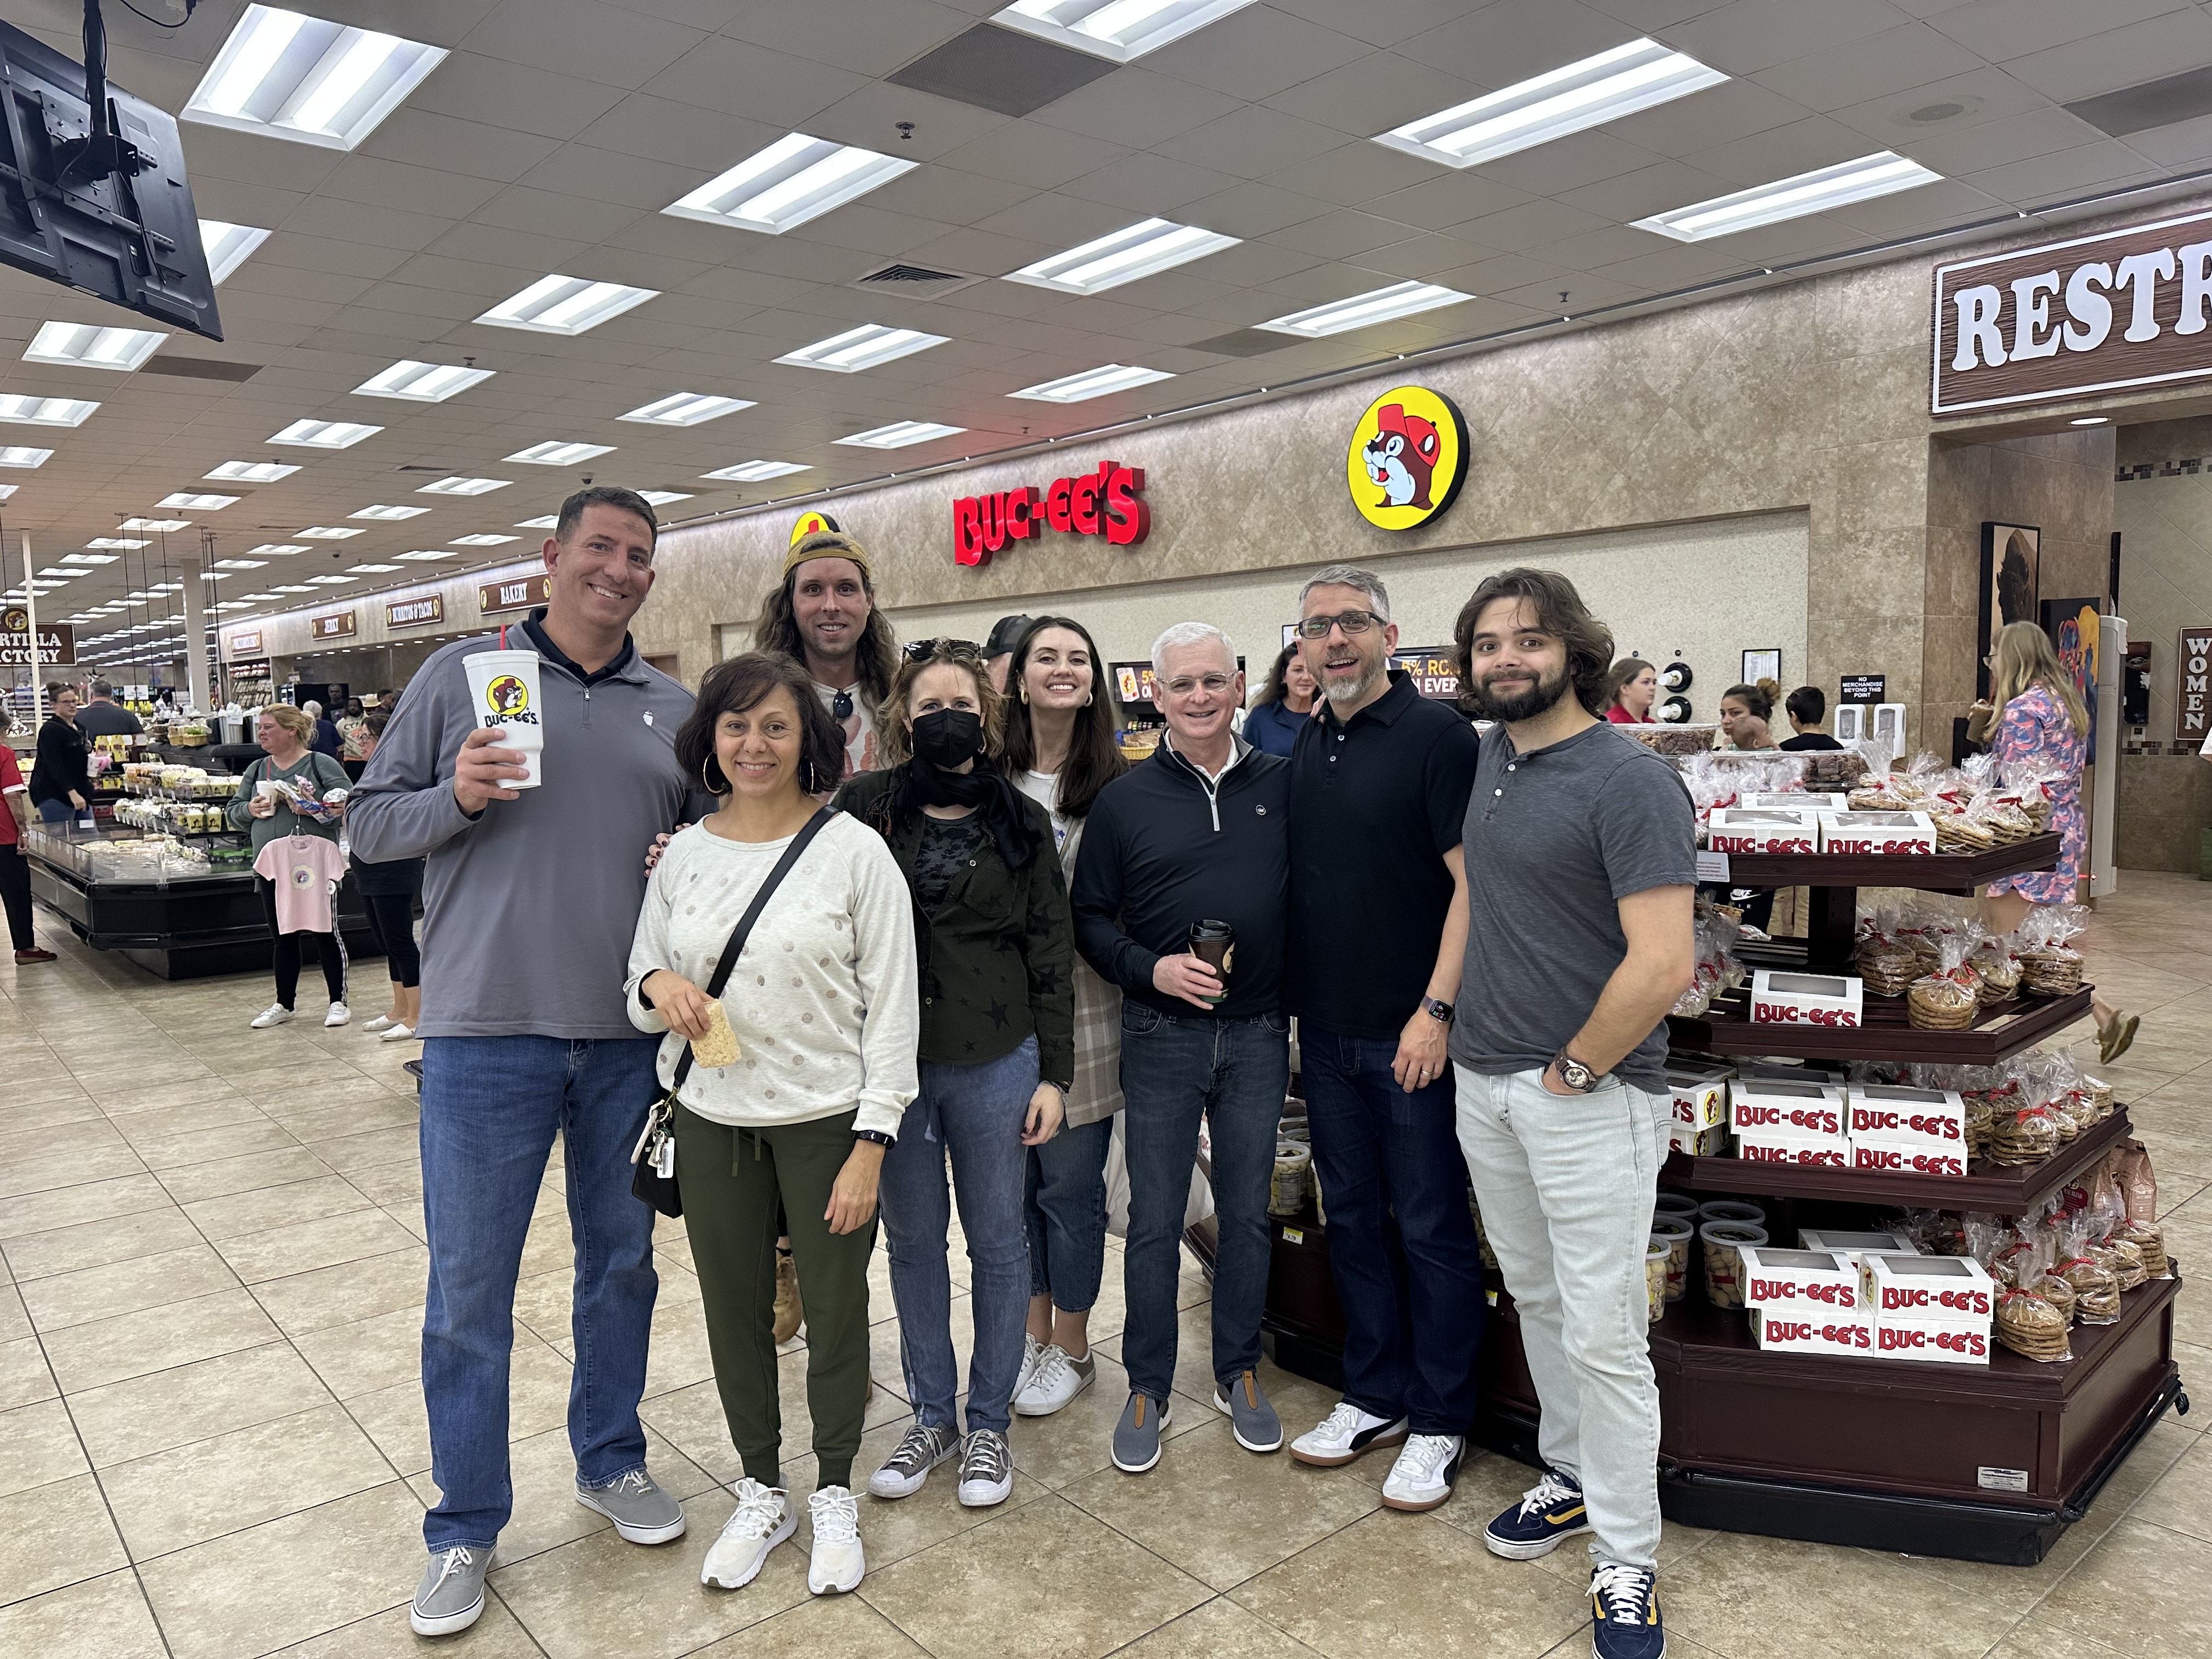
<point x="2037" y="716"/>
<point x="1061" y="750"/>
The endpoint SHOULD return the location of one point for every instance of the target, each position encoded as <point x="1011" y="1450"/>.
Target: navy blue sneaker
<point x="1549" y="1512"/>
<point x="1624" y="1606"/>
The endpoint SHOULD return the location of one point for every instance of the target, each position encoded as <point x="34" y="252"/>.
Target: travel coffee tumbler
<point x="1214" y="943"/>
<point x="503" y="689"/>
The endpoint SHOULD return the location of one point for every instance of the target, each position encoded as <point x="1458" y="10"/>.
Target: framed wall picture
<point x="2012" y="560"/>
<point x="1762" y="665"/>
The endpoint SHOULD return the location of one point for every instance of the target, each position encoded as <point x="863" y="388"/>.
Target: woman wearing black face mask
<point x="997" y="1051"/>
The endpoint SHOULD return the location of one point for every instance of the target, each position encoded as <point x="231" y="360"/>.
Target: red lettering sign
<point x="1108" y="502"/>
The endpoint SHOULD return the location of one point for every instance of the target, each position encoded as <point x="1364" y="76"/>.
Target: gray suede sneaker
<point x="1137" y="1436"/>
<point x="1257" y="1427"/>
<point x="450" y="1596"/>
<point x="923" y="1447"/>
<point x="641" y="1512"/>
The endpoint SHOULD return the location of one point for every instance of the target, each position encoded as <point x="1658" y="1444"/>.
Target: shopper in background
<point x="1745" y="711"/>
<point x="1199" y="833"/>
<point x="103" y="718"/>
<point x="997" y="1051"/>
<point x="2039" y="720"/>
<point x="1377" y="934"/>
<point x="353" y="738"/>
<point x="1581" y="850"/>
<point x="283" y="732"/>
<point x="797" y="1116"/>
<point x="1060" y="751"/>
<point x="999" y="650"/>
<point x="531" y="899"/>
<point x="1807" y="709"/>
<point x="823" y="614"/>
<point x="15" y="873"/>
<point x="1284" y="706"/>
<point x="1632" y="685"/>
<point x="61" y="776"/>
<point x="326" y="740"/>
<point x="390" y="892"/>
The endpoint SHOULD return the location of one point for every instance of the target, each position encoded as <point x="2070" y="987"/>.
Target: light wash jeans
<point x="1566" y="1183"/>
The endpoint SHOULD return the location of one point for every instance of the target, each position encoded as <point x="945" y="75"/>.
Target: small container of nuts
<point x="1723" y="1241"/>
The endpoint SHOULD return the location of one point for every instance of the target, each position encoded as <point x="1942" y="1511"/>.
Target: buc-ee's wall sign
<point x="1109" y="502"/>
<point x="2128" y="307"/>
<point x="1407" y="459"/>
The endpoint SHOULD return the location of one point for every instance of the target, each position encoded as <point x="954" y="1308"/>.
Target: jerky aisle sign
<point x="2192" y="689"/>
<point x="56" y="641"/>
<point x="2096" y="313"/>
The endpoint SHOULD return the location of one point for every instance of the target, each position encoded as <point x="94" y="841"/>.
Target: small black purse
<point x="654" y="1155"/>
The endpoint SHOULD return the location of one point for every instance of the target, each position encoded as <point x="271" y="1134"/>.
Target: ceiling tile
<point x="1734" y="109"/>
<point x="2118" y="58"/>
<point x="1992" y="144"/>
<point x="633" y="182"/>
<point x="1569" y="163"/>
<point x="700" y="140"/>
<point x="1896" y="60"/>
<point x="357" y="221"/>
<point x="1374" y="93"/>
<point x="869" y="36"/>
<point x="475" y="88"/>
<point x="2001" y="30"/>
<point x="947" y="196"/>
<point x="869" y="117"/>
<point x="1151" y="187"/>
<point x="553" y="212"/>
<point x="2182" y="145"/>
<point x="1447" y="198"/>
<point x="382" y="183"/>
<point x="1655" y="189"/>
<point x="1530" y="225"/>
<point x="2066" y="173"/>
<point x="1419" y="259"/>
<point x="497" y="246"/>
<point x="1987" y="94"/>
<point x="1027" y="152"/>
<point x="1380" y="22"/>
<point x="775" y="87"/>
<point x="1135" y="107"/>
<point x="1343" y="234"/>
<point x="1512" y="39"/>
<point x="425" y="138"/>
<point x="1250" y="208"/>
<point x="1782" y="152"/>
<point x="589" y="40"/>
<point x="1751" y="35"/>
<point x="1253" y="142"/>
<point x="1257" y="52"/>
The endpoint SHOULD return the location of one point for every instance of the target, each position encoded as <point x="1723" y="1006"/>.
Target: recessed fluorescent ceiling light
<point x="389" y="513"/>
<point x="159" y="526"/>
<point x="1382" y="305"/>
<point x="548" y="522"/>
<point x="228" y="246"/>
<point x="252" y="471"/>
<point x="116" y="541"/>
<point x="565" y="305"/>
<point x="464" y="486"/>
<point x="234" y="605"/>
<point x="295" y="588"/>
<point x="424" y="555"/>
<point x="83" y="345"/>
<point x="374" y="569"/>
<point x="421" y="383"/>
<point x="662" y="497"/>
<point x="792" y="180"/>
<point x="484" y="540"/>
<point x="860" y="348"/>
<point x="899" y="434"/>
<point x="91" y="558"/>
<point x="55" y="573"/>
<point x="329" y="532"/>
<point x="1883" y="173"/>
<point x="1117" y="29"/>
<point x="328" y="582"/>
<point x="191" y="503"/>
<point x="1145" y="247"/>
<point x="278" y="548"/>
<point x="1535" y="111"/>
<point x="554" y="452"/>
<point x="325" y="434"/>
<point x="6" y="490"/>
<point x="240" y="564"/>
<point x="685" y="409"/>
<point x="17" y="455"/>
<point x="758" y="471"/>
<point x="259" y="598"/>
<point x="20" y="410"/>
<point x="1090" y="383"/>
<point x="288" y="76"/>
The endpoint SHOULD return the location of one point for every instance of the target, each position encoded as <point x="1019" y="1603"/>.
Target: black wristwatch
<point x="1437" y="1010"/>
<point x="1577" y="1077"/>
<point x="876" y="1137"/>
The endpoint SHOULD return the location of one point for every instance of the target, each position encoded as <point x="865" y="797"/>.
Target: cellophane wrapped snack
<point x="1993" y="959"/>
<point x="1717" y="969"/>
<point x="1947" y="999"/>
<point x="2049" y="963"/>
<point x="1887" y="964"/>
<point x="2096" y="1292"/>
<point x="2024" y="1321"/>
<point x="2138" y="1187"/>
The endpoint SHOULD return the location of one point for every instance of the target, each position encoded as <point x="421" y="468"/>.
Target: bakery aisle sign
<point x="1108" y="502"/>
<point x="2095" y="313"/>
<point x="1407" y="458"/>
<point x="515" y="593"/>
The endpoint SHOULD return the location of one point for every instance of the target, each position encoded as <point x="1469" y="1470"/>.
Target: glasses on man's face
<point x="923" y="650"/>
<point x="1351" y="621"/>
<point x="1214" y="684"/>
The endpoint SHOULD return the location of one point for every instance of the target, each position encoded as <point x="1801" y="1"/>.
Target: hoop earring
<point x="713" y="788"/>
<point x="808" y="779"/>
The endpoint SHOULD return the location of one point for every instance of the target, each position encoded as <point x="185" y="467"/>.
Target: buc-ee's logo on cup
<point x="1407" y="459"/>
<point x="509" y="698"/>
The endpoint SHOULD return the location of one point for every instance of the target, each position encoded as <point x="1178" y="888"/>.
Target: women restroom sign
<point x="2192" y="694"/>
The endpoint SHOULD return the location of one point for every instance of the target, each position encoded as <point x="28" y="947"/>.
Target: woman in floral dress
<point x="2040" y="718"/>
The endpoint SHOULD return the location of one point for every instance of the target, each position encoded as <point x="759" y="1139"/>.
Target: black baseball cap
<point x="1005" y="633"/>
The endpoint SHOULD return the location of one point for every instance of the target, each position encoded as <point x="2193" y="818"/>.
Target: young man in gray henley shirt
<point x="530" y="898"/>
<point x="1580" y="862"/>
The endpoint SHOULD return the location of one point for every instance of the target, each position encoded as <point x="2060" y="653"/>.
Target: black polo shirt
<point x="1375" y="806"/>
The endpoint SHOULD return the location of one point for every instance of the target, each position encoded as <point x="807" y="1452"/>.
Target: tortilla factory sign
<point x="415" y="613"/>
<point x="1108" y="502"/>
<point x="1407" y="458"/>
<point x="56" y="641"/>
<point x="2096" y="313"/>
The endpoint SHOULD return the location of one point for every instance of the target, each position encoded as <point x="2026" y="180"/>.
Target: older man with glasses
<point x="1379" y="789"/>
<point x="1189" y="853"/>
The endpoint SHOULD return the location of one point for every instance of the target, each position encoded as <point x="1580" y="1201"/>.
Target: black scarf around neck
<point x="985" y="788"/>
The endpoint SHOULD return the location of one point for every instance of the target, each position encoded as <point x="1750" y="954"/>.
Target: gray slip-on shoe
<point x="641" y="1512"/>
<point x="450" y="1596"/>
<point x="1251" y="1415"/>
<point x="1137" y="1436"/>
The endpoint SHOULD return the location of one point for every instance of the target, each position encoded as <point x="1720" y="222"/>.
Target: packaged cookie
<point x="1948" y="998"/>
<point x="2028" y="1325"/>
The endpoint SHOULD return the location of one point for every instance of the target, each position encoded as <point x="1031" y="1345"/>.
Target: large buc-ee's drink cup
<point x="1214" y="943"/>
<point x="503" y="691"/>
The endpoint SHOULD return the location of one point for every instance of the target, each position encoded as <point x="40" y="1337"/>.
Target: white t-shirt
<point x="859" y="727"/>
<point x="1043" y="788"/>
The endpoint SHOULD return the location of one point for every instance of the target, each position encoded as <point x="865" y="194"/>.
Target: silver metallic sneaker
<point x="450" y="1596"/>
<point x="641" y="1512"/>
<point x="923" y="1448"/>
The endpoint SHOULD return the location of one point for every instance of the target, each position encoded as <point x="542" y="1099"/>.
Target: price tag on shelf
<point x="1712" y="866"/>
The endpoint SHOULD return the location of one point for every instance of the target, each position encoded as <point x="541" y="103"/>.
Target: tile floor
<point x="212" y="1444"/>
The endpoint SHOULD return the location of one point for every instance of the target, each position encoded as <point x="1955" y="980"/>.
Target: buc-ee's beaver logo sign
<point x="1407" y="458"/>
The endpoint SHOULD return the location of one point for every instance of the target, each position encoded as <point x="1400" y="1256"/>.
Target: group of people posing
<point x="944" y="986"/>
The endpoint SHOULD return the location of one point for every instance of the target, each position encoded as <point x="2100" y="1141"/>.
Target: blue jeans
<point x="975" y="1113"/>
<point x="1066" y="1208"/>
<point x="490" y="1108"/>
<point x="1401" y="1240"/>
<point x="1175" y="1069"/>
<point x="56" y="812"/>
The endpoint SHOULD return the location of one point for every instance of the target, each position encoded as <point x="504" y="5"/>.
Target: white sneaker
<point x="1347" y="1434"/>
<point x="1422" y="1477"/>
<point x="338" y="1015"/>
<point x="398" y="1034"/>
<point x="382" y="1022"/>
<point x="838" y="1563"/>
<point x="763" y="1519"/>
<point x="275" y="1014"/>
<point x="1032" y="1351"/>
<point x="1056" y="1380"/>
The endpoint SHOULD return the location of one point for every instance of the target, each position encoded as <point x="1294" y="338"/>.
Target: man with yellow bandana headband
<point x="823" y="613"/>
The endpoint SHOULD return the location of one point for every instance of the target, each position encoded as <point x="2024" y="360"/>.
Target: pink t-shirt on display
<point x="306" y="871"/>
